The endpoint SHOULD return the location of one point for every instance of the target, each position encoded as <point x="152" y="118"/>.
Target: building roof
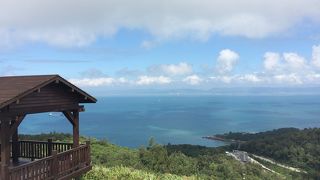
<point x="12" y="88"/>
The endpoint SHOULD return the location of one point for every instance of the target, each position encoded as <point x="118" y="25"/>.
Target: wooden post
<point x="32" y="151"/>
<point x="55" y="165"/>
<point x="5" y="148"/>
<point x="50" y="147"/>
<point x="15" y="147"/>
<point x="75" y="128"/>
<point x="76" y="133"/>
<point x="89" y="155"/>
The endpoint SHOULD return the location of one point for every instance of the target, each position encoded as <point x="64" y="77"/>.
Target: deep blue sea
<point x="131" y="121"/>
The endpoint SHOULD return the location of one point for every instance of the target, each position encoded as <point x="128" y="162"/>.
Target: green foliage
<point x="297" y="148"/>
<point x="61" y="137"/>
<point x="194" y="150"/>
<point x="111" y="155"/>
<point x="164" y="162"/>
<point x="156" y="158"/>
<point x="125" y="173"/>
<point x="206" y="163"/>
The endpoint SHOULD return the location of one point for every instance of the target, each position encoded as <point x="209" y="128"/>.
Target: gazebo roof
<point x="24" y="95"/>
<point x="13" y="88"/>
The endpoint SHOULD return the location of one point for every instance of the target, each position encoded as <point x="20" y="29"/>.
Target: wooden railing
<point x="64" y="165"/>
<point x="41" y="149"/>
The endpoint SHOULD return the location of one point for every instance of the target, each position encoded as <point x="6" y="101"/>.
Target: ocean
<point x="132" y="121"/>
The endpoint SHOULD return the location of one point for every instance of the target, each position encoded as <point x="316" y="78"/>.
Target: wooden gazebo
<point x="23" y="95"/>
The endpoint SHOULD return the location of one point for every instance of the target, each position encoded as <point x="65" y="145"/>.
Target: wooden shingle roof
<point x="12" y="88"/>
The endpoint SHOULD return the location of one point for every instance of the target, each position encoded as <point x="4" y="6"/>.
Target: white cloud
<point x="288" y="79"/>
<point x="192" y="80"/>
<point x="288" y="62"/>
<point x="316" y="56"/>
<point x="226" y="61"/>
<point x="239" y="78"/>
<point x="123" y="80"/>
<point x="181" y="68"/>
<point x="294" y="61"/>
<point x="100" y="81"/>
<point x="79" y="22"/>
<point x="224" y="79"/>
<point x="313" y="78"/>
<point x="250" y="78"/>
<point x="148" y="80"/>
<point x="93" y="82"/>
<point x="283" y="69"/>
<point x="271" y="60"/>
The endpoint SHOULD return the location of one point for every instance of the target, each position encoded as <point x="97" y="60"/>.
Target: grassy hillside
<point x="162" y="162"/>
<point x="121" y="172"/>
<point x="295" y="147"/>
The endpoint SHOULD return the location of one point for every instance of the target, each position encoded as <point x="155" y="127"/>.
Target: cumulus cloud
<point x="179" y="69"/>
<point x="149" y="80"/>
<point x="271" y="61"/>
<point x="288" y="62"/>
<point x="192" y="80"/>
<point x="226" y="61"/>
<point x="281" y="69"/>
<point x="79" y="22"/>
<point x="294" y="61"/>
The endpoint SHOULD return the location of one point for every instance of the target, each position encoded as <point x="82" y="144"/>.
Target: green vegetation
<point x="283" y="171"/>
<point x="163" y="162"/>
<point x="291" y="146"/>
<point x="125" y="173"/>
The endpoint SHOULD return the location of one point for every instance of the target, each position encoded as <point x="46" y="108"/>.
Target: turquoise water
<point x="131" y="121"/>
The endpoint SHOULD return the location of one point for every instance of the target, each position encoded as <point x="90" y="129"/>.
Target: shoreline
<point x="216" y="138"/>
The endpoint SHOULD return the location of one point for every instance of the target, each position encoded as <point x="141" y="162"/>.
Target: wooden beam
<point x="76" y="128"/>
<point x="5" y="148"/>
<point x="15" y="147"/>
<point x="40" y="109"/>
<point x="69" y="116"/>
<point x="76" y="133"/>
<point x="14" y="126"/>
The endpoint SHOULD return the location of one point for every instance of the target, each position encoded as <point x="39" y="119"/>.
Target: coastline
<point x="216" y="138"/>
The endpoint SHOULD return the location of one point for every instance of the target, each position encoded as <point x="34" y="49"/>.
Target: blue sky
<point x="101" y="45"/>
